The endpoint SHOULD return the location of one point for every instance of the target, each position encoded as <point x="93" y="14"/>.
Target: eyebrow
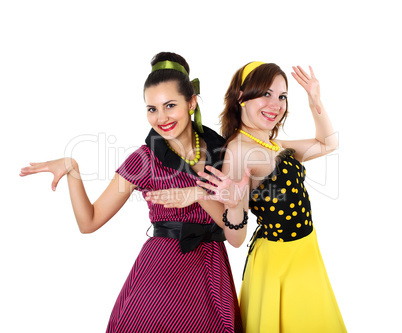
<point x="285" y="92"/>
<point x="169" y="101"/>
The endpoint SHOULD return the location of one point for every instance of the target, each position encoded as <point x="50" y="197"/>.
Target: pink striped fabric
<point x="167" y="291"/>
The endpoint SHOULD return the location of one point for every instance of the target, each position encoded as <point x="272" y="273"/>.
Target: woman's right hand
<point x="226" y="190"/>
<point x="310" y="84"/>
<point x="58" y="168"/>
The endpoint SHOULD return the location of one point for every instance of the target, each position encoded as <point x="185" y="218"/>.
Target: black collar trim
<point x="168" y="158"/>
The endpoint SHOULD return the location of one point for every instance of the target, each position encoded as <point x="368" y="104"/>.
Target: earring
<point x="243" y="104"/>
<point x="191" y="112"/>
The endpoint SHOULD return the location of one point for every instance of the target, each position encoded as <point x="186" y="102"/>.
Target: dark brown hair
<point x="184" y="85"/>
<point x="255" y="85"/>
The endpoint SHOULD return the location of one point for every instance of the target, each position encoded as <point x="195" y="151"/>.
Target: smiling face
<point x="167" y="110"/>
<point x="266" y="111"/>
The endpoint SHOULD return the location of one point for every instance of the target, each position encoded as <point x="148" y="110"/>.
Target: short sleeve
<point x="137" y="168"/>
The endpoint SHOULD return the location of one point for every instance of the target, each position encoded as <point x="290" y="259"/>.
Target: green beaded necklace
<point x="197" y="151"/>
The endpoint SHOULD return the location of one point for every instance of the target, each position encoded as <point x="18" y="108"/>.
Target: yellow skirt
<point x="286" y="289"/>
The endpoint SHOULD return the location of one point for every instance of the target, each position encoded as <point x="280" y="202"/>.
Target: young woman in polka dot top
<point x="285" y="285"/>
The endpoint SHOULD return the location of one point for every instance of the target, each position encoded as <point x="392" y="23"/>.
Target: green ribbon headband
<point x="195" y="83"/>
<point x="169" y="65"/>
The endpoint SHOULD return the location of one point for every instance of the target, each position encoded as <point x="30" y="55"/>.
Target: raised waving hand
<point x="310" y="85"/>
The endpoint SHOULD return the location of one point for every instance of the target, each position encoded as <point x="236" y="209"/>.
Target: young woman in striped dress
<point x="181" y="280"/>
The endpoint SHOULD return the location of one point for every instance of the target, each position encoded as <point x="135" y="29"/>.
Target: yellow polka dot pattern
<point x="281" y="202"/>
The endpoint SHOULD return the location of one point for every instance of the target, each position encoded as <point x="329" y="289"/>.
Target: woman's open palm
<point x="58" y="168"/>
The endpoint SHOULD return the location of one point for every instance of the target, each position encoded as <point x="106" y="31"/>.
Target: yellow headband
<point x="249" y="68"/>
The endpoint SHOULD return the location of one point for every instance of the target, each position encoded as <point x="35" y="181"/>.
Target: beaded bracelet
<point x="237" y="226"/>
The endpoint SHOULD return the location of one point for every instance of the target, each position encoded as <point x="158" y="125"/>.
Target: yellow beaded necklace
<point x="197" y="151"/>
<point x="273" y="146"/>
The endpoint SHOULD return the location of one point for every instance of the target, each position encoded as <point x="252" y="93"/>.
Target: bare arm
<point x="90" y="217"/>
<point x="183" y="197"/>
<point x="325" y="140"/>
<point x="226" y="191"/>
<point x="231" y="191"/>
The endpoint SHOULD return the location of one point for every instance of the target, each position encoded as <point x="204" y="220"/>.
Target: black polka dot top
<point x="281" y="202"/>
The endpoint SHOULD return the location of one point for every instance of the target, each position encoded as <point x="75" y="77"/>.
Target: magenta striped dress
<point x="166" y="290"/>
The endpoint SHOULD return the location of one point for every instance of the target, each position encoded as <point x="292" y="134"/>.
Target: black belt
<point x="189" y="235"/>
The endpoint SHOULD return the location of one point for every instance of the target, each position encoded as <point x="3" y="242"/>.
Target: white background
<point x="71" y="78"/>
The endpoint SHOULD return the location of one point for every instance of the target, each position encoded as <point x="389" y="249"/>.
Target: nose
<point x="274" y="105"/>
<point x="162" y="117"/>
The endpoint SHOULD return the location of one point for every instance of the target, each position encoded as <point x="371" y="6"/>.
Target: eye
<point x="151" y="110"/>
<point x="171" y="105"/>
<point x="267" y="94"/>
<point x="283" y="97"/>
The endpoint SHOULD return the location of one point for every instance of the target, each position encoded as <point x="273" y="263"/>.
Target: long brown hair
<point x="255" y="85"/>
